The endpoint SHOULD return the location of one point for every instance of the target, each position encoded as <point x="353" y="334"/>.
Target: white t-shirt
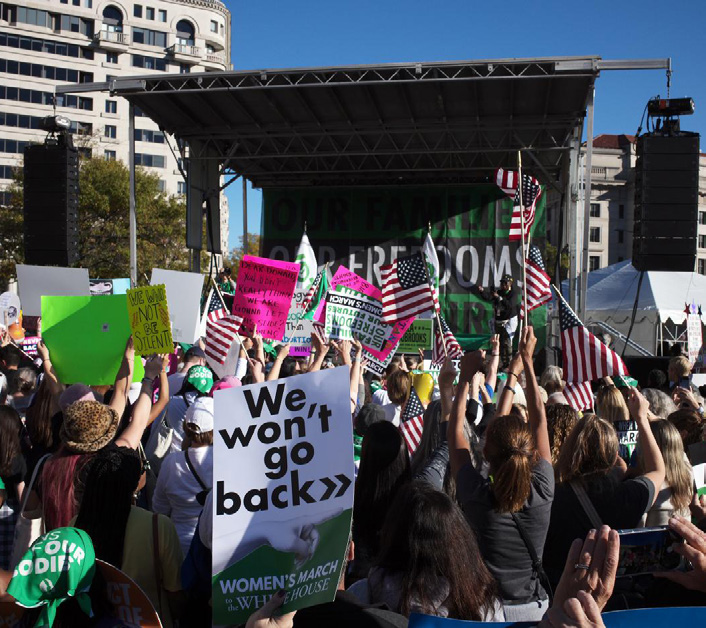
<point x="176" y="490"/>
<point x="392" y="412"/>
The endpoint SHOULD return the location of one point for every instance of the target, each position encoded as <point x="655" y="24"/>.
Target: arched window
<point x="112" y="19"/>
<point x="185" y="33"/>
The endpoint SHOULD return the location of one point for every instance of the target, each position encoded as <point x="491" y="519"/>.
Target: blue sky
<point x="284" y="34"/>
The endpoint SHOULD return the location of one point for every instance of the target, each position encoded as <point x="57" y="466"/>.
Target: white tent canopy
<point x="663" y="295"/>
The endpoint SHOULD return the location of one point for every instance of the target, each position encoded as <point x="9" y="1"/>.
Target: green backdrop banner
<point x="86" y="337"/>
<point x="366" y="228"/>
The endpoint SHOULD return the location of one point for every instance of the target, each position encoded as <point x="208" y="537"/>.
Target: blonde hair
<point x="611" y="406"/>
<point x="591" y="447"/>
<point x="551" y="379"/>
<point x="679" y="366"/>
<point x="678" y="474"/>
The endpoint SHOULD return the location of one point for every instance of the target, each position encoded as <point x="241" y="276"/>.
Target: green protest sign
<point x="419" y="336"/>
<point x="86" y="337"/>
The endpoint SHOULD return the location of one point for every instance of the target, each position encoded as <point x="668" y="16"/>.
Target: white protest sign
<point x="298" y="330"/>
<point x="283" y="492"/>
<point x="51" y="281"/>
<point x="9" y="308"/>
<point x="350" y="312"/>
<point x="184" y="301"/>
<point x="694" y="337"/>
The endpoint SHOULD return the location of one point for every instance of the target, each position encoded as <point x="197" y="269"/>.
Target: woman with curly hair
<point x="561" y="419"/>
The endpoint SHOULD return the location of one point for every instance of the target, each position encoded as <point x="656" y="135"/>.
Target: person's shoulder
<point x="543" y="478"/>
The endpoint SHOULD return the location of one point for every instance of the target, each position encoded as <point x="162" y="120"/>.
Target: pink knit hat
<point x="75" y="392"/>
<point x="230" y="381"/>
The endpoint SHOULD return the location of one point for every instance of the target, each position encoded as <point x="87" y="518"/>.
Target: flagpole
<point x="522" y="229"/>
<point x="436" y="312"/>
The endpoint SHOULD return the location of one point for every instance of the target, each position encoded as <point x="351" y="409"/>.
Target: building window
<point x="109" y="155"/>
<point x="162" y="15"/>
<point x="181" y="187"/>
<point x="149" y="63"/>
<point x="594" y="262"/>
<point x="595" y="211"/>
<point x="145" y="135"/>
<point x="621" y="236"/>
<point x="185" y="33"/>
<point x="112" y="19"/>
<point x="702" y="267"/>
<point x="594" y="234"/>
<point x="111" y="131"/>
<point x="88" y="4"/>
<point x="702" y="241"/>
<point x="137" y="10"/>
<point x="149" y="37"/>
<point x="151" y="161"/>
<point x="702" y="218"/>
<point x="111" y="106"/>
<point x="45" y="71"/>
<point x="45" y="46"/>
<point x="149" y="13"/>
<point x="76" y="3"/>
<point x="35" y="17"/>
<point x="111" y="57"/>
<point x="621" y="212"/>
<point x="184" y="68"/>
<point x="214" y="26"/>
<point x="162" y="185"/>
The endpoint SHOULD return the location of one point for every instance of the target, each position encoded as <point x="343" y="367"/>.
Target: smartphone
<point x="646" y="550"/>
<point x="685" y="382"/>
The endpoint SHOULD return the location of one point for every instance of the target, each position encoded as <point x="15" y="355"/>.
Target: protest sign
<point x="694" y="337"/>
<point x="348" y="279"/>
<point x="352" y="314"/>
<point x="627" y="438"/>
<point x="129" y="602"/>
<point x="9" y="309"/>
<point x="38" y="281"/>
<point x="109" y="286"/>
<point x="184" y="301"/>
<point x="420" y="335"/>
<point x="298" y="330"/>
<point x="29" y="345"/>
<point x="282" y="492"/>
<point x="149" y="320"/>
<point x="86" y="337"/>
<point x="263" y="294"/>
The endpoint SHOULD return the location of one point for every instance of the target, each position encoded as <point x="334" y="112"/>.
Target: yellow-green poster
<point x="149" y="319"/>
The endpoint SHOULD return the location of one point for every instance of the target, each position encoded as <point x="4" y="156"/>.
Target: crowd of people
<point x="506" y="511"/>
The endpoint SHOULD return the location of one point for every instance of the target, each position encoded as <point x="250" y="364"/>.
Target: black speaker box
<point x="666" y="202"/>
<point x="51" y="204"/>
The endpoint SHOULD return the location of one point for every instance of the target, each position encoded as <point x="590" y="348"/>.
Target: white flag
<point x="433" y="267"/>
<point x="307" y="259"/>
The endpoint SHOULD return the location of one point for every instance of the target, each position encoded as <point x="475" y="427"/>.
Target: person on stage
<point x="506" y="308"/>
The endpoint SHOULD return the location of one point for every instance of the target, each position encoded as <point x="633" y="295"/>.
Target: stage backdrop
<point x="366" y="228"/>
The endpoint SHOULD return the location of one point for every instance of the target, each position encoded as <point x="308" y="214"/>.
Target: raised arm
<point x="319" y="348"/>
<point x="163" y="398"/>
<point x="459" y="447"/>
<point x="356" y="370"/>
<point x="446" y="378"/>
<point x="492" y="377"/>
<point x="257" y="364"/>
<point x="124" y="378"/>
<point x="132" y="434"/>
<point x="535" y="407"/>
<point x="507" y="396"/>
<point x="52" y="379"/>
<point x="282" y="353"/>
<point x="653" y="463"/>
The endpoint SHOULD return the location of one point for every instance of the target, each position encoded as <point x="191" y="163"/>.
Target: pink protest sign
<point x="263" y="295"/>
<point x="393" y="340"/>
<point x="347" y="278"/>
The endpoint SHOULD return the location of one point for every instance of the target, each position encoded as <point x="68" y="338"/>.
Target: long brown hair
<point x="511" y="453"/>
<point x="561" y="419"/>
<point x="591" y="447"/>
<point x="39" y="415"/>
<point x="426" y="538"/>
<point x="677" y="472"/>
<point x="10" y="427"/>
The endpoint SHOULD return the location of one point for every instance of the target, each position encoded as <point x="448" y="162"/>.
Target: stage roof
<point x="430" y="123"/>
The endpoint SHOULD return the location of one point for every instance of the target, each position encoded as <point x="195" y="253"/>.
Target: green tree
<point x="104" y="225"/>
<point x="236" y="254"/>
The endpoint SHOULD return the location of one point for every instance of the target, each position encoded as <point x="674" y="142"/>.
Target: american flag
<point x="406" y="290"/>
<point x="213" y="303"/>
<point x="221" y="331"/>
<point x="539" y="289"/>
<point x="579" y="396"/>
<point x="531" y="191"/>
<point x="585" y="357"/>
<point x="452" y="347"/>
<point x="412" y="422"/>
<point x="317" y="292"/>
<point x="506" y="180"/>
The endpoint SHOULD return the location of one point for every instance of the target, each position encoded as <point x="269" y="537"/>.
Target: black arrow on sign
<point x="345" y="483"/>
<point x="330" y="488"/>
